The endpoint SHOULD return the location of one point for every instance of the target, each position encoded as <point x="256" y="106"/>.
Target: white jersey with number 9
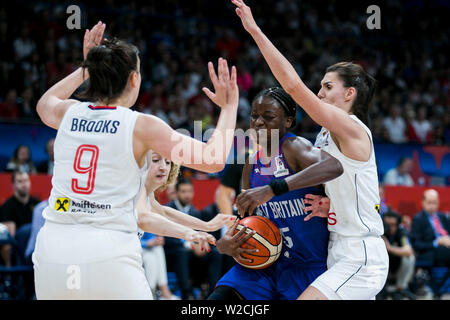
<point x="96" y="178"/>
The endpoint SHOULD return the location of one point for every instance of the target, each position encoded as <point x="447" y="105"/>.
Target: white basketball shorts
<point x="357" y="268"/>
<point x="83" y="262"/>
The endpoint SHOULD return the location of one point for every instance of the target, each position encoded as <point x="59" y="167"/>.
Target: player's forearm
<point x="185" y="219"/>
<point x="219" y="145"/>
<point x="316" y="174"/>
<point x="155" y="223"/>
<point x="63" y="89"/>
<point x="211" y="156"/>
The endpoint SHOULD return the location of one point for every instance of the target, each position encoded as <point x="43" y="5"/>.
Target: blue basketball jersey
<point x="305" y="243"/>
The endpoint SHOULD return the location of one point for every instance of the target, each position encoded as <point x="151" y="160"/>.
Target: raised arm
<point x="153" y="133"/>
<point x="331" y="117"/>
<point x="54" y="103"/>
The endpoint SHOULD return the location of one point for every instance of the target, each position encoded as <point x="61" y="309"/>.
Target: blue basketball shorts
<point x="277" y="282"/>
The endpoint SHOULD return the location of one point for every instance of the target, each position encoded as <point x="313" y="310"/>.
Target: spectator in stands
<point x="5" y="249"/>
<point x="17" y="210"/>
<point x="406" y="223"/>
<point x="422" y="127"/>
<point x="430" y="231"/>
<point x="9" y="108"/>
<point x="58" y="69"/>
<point x="207" y="265"/>
<point x="400" y="175"/>
<point x="36" y="224"/>
<point x="178" y="251"/>
<point x="47" y="166"/>
<point x="24" y="45"/>
<point x="27" y="105"/>
<point x="21" y="160"/>
<point x="383" y="206"/>
<point x="401" y="255"/>
<point x="154" y="262"/>
<point x="171" y="193"/>
<point x="395" y="126"/>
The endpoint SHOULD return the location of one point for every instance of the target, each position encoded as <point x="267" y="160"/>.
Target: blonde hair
<point x="172" y="177"/>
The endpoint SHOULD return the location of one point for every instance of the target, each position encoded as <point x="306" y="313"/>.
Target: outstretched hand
<point x="226" y="93"/>
<point x="200" y="240"/>
<point x="245" y="13"/>
<point x="319" y="206"/>
<point x="219" y="221"/>
<point x="93" y="37"/>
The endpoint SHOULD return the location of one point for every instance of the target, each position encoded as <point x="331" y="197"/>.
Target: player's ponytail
<point x="109" y="65"/>
<point x="353" y="75"/>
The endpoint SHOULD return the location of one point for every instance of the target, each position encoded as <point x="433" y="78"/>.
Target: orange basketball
<point x="267" y="240"/>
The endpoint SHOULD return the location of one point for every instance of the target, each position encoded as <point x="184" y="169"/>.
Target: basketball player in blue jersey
<point x="292" y="158"/>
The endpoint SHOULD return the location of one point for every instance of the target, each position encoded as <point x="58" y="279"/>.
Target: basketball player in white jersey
<point x="163" y="172"/>
<point x="88" y="247"/>
<point x="357" y="257"/>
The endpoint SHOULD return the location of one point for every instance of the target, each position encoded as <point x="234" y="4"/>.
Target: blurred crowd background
<point x="408" y="56"/>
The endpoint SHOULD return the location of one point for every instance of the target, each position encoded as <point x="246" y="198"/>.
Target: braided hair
<point x="284" y="100"/>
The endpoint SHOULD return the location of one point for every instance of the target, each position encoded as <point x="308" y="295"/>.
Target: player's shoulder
<point x="297" y="144"/>
<point x="295" y="149"/>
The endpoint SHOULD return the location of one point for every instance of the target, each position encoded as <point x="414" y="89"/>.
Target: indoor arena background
<point x="408" y="55"/>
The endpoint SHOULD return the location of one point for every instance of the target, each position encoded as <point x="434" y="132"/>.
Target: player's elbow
<point x="291" y="86"/>
<point x="40" y="107"/>
<point x="336" y="167"/>
<point x="214" y="168"/>
<point x="43" y="111"/>
<point x="143" y="220"/>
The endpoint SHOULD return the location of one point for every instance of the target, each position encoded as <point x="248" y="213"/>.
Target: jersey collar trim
<point x="102" y="107"/>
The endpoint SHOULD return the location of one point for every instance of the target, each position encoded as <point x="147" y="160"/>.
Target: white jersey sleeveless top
<point x="96" y="180"/>
<point x="354" y="196"/>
